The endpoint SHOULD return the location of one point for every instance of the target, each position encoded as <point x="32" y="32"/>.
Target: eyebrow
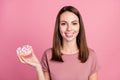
<point x="72" y="21"/>
<point x="75" y="21"/>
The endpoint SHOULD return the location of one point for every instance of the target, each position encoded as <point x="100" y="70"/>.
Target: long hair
<point x="81" y="39"/>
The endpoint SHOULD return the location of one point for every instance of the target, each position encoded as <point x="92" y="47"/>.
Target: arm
<point x="47" y="77"/>
<point x="33" y="61"/>
<point x="94" y="76"/>
<point x="42" y="75"/>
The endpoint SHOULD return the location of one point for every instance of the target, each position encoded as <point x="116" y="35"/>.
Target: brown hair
<point x="81" y="39"/>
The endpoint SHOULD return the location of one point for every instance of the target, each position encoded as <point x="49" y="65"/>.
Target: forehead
<point x="68" y="16"/>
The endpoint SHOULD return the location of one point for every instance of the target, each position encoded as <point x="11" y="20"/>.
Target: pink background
<point x="32" y="22"/>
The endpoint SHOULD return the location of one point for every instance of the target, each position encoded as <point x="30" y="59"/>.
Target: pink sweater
<point x="71" y="68"/>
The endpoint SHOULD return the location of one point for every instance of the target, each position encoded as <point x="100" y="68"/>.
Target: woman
<point x="69" y="58"/>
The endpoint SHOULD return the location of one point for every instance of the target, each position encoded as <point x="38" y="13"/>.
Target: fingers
<point x="25" y="60"/>
<point x="30" y="60"/>
<point x="21" y="60"/>
<point x="32" y="52"/>
<point x="26" y="55"/>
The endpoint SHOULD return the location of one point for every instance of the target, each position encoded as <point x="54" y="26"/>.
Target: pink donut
<point x="25" y="50"/>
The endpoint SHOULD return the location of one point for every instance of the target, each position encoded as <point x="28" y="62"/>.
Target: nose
<point x="69" y="27"/>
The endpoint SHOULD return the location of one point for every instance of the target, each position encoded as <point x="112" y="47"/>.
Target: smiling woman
<point x="69" y="58"/>
<point x="69" y="26"/>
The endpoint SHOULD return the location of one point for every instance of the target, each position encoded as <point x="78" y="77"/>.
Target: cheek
<point x="77" y="29"/>
<point x="62" y="29"/>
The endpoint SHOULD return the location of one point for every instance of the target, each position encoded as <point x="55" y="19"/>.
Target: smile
<point x="69" y="34"/>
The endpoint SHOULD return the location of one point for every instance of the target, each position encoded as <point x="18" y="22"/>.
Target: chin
<point x="70" y="39"/>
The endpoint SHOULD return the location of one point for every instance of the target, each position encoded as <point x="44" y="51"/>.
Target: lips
<point x="69" y="34"/>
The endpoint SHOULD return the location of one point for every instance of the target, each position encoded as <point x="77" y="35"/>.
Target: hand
<point x="26" y="55"/>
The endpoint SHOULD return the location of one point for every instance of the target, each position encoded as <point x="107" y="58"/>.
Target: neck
<point x="69" y="47"/>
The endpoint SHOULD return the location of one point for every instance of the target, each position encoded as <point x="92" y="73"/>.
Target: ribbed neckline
<point x="76" y="53"/>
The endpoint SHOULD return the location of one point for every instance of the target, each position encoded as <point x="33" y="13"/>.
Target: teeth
<point x="25" y="49"/>
<point x="69" y="34"/>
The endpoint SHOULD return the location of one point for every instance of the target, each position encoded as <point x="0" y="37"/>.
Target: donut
<point x="26" y="50"/>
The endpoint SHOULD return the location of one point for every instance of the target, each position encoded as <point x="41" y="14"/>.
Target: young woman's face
<point x="69" y="26"/>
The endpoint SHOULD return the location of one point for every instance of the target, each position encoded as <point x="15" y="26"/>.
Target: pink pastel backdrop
<point x="32" y="22"/>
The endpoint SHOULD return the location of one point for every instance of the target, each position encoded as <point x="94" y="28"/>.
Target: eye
<point x="63" y="23"/>
<point x="75" y="23"/>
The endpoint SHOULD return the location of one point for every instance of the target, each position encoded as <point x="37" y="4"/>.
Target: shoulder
<point x="48" y="52"/>
<point x="92" y="53"/>
<point x="91" y="50"/>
